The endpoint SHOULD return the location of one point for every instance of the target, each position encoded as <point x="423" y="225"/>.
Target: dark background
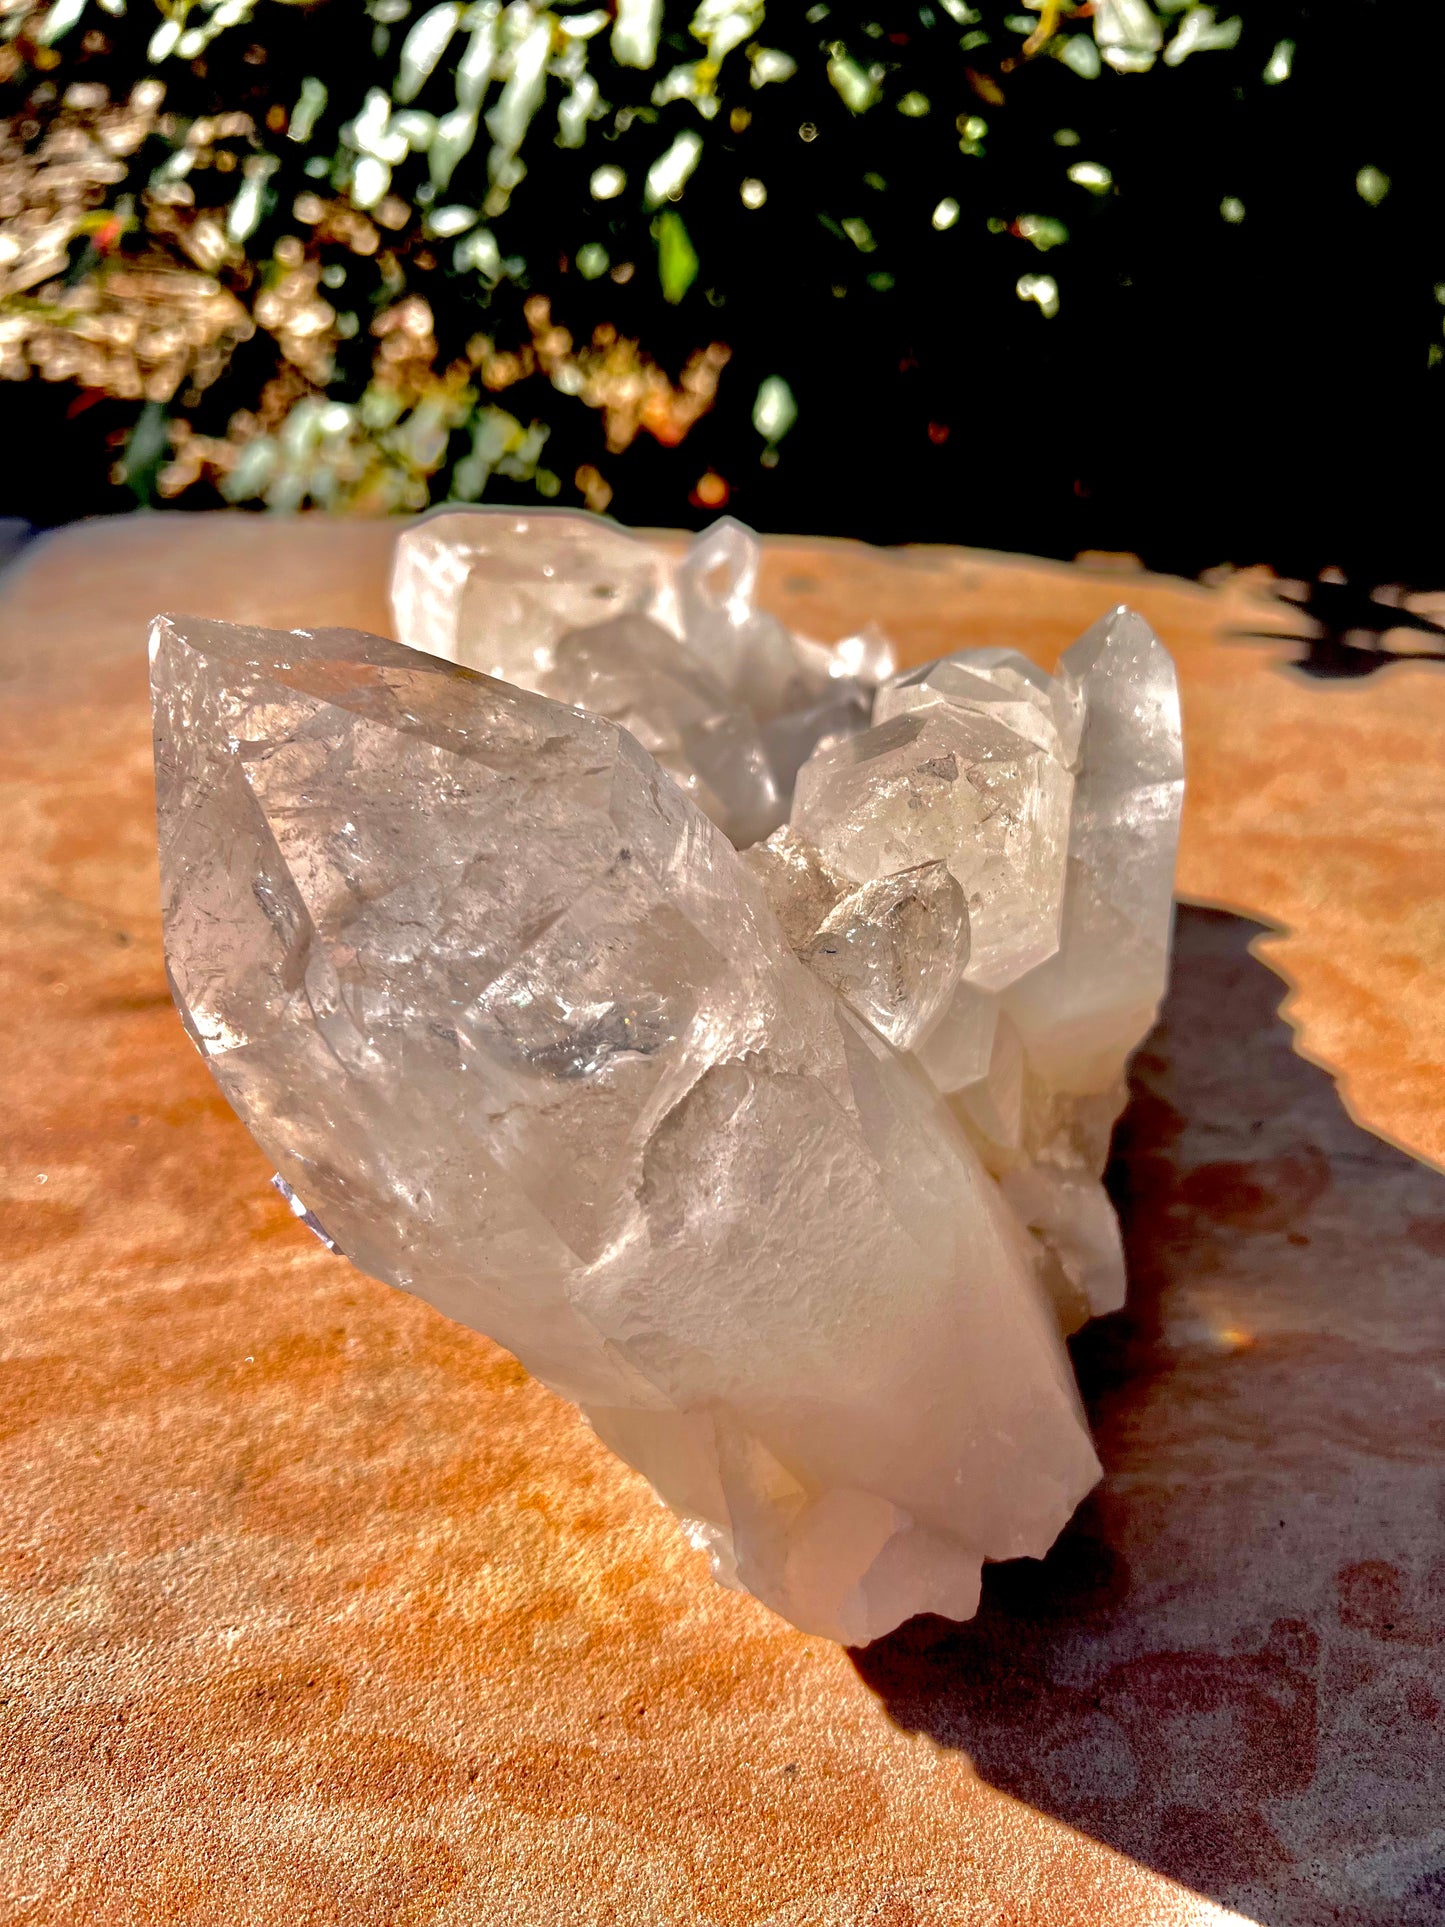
<point x="1208" y="393"/>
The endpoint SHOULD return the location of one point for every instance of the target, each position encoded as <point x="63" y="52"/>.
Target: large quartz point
<point x="743" y="1152"/>
<point x="515" y="1021"/>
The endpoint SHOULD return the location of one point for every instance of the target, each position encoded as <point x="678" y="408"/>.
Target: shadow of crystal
<point x="1229" y="1665"/>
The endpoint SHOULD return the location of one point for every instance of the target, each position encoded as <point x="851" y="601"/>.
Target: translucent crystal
<point x="954" y="786"/>
<point x="1035" y="1073"/>
<point x="1080" y="1252"/>
<point x="837" y="709"/>
<point x="1001" y="683"/>
<point x="748" y="649"/>
<point x="800" y="888"/>
<point x="633" y="672"/>
<point x="784" y="1164"/>
<point x="500" y="592"/>
<point x="992" y="1105"/>
<point x="496" y="589"/>
<point x="958" y="1050"/>
<point x="1086" y="1008"/>
<point x="516" y="1023"/>
<point x="893" y="949"/>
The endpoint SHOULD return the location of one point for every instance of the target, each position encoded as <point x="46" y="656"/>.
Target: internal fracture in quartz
<point x="783" y="1163"/>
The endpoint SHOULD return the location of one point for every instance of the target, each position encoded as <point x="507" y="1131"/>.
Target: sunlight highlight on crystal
<point x="776" y="1150"/>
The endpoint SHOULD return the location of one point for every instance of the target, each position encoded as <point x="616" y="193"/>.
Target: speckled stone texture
<point x="314" y="1609"/>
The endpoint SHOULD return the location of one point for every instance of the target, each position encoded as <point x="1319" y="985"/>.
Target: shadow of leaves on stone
<point x="1349" y="628"/>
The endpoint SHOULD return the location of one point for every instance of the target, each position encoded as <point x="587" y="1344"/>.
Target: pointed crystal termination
<point x="1054" y="803"/>
<point x="956" y="786"/>
<point x="633" y="672"/>
<point x="1044" y="710"/>
<point x="1089" y="1005"/>
<point x="575" y="608"/>
<point x="518" y="1025"/>
<point x="894" y="949"/>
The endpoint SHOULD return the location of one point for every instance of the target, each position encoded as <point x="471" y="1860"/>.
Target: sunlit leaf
<point x="1200" y="32"/>
<point x="1042" y="289"/>
<point x="1280" y="64"/>
<point x="670" y="171"/>
<point x="310" y="106"/>
<point x="1372" y="186"/>
<point x="58" y="22"/>
<point x="455" y="133"/>
<point x="856" y="89"/>
<point x="424" y="47"/>
<point x="775" y="409"/>
<point x="677" y="262"/>
<point x="635" y="32"/>
<point x="525" y="86"/>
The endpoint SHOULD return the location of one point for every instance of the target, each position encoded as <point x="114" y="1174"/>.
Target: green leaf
<point x="1078" y="52"/>
<point x="1372" y="186"/>
<point x="309" y="108"/>
<point x="677" y="262"/>
<point x="775" y="409"/>
<point x="423" y="48"/>
<point x="1043" y="230"/>
<point x="146" y="448"/>
<point x="857" y="89"/>
<point x="58" y="22"/>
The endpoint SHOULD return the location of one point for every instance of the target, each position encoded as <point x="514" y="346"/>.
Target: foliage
<point x="317" y="248"/>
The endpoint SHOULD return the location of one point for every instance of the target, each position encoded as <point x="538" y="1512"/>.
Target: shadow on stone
<point x="1229" y="1666"/>
<point x="1349" y="626"/>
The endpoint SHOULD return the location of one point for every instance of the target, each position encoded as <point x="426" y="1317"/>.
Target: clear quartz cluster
<point x="782" y="1161"/>
<point x="715" y="689"/>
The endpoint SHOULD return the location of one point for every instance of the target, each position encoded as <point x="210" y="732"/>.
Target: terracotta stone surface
<point x="314" y="1609"/>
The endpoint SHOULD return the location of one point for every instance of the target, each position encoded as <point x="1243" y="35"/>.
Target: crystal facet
<point x="955" y="786"/>
<point x="895" y="948"/>
<point x="496" y="591"/>
<point x="738" y="1150"/>
<point x="728" y="701"/>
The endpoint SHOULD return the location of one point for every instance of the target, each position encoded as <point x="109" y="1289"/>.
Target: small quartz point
<point x="894" y="949"/>
<point x="742" y="1152"/>
<point x="956" y="786"/>
<point x="728" y="700"/>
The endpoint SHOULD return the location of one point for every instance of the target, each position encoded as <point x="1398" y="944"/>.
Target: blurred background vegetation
<point x="1154" y="278"/>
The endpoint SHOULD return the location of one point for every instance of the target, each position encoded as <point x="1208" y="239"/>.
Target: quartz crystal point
<point x="728" y="701"/>
<point x="895" y="949"/>
<point x="782" y="1163"/>
<point x="632" y="671"/>
<point x="950" y="785"/>
<point x="1054" y="801"/>
<point x="516" y="1023"/>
